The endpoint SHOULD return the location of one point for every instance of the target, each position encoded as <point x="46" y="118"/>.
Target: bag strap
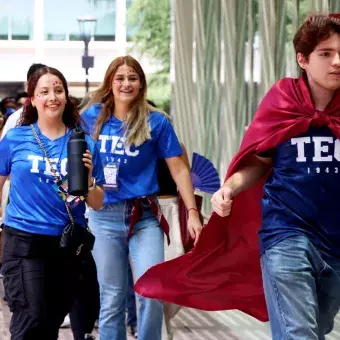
<point x="53" y="170"/>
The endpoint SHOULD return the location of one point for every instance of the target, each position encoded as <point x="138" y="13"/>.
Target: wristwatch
<point x="93" y="186"/>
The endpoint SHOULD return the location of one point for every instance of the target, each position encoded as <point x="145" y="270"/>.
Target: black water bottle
<point x="77" y="171"/>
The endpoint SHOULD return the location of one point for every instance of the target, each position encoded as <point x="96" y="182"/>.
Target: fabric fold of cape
<point x="223" y="271"/>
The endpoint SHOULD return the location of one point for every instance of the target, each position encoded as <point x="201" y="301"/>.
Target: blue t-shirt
<point x="301" y="196"/>
<point x="137" y="173"/>
<point x="35" y="206"/>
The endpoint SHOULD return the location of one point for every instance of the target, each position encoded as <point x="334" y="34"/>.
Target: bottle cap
<point x="77" y="133"/>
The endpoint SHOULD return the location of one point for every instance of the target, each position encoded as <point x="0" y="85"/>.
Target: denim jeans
<point x="111" y="253"/>
<point x="131" y="302"/>
<point x="302" y="290"/>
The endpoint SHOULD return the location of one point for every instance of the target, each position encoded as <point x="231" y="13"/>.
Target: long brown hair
<point x="71" y="116"/>
<point x="136" y="128"/>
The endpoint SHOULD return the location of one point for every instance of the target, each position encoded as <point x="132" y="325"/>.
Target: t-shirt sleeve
<point x="97" y="172"/>
<point x="167" y="144"/>
<point x="89" y="117"/>
<point x="84" y="122"/>
<point x="6" y="157"/>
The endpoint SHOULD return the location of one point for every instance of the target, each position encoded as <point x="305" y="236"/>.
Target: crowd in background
<point x="9" y="105"/>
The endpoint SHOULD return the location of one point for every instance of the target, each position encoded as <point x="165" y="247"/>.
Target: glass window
<point x="16" y="20"/>
<point x="3" y="26"/>
<point x="105" y="12"/>
<point x="61" y="18"/>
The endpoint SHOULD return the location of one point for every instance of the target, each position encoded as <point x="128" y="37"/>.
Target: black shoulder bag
<point x="75" y="238"/>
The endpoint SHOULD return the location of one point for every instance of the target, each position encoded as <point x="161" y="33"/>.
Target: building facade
<point x="46" y="31"/>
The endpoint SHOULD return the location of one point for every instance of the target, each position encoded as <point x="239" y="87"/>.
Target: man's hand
<point x="222" y="201"/>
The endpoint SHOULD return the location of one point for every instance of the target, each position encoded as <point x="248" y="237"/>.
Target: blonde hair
<point x="136" y="127"/>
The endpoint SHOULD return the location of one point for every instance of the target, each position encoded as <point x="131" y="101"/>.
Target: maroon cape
<point x="223" y="270"/>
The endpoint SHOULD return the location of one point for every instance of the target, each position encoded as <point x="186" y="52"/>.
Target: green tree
<point x="149" y="28"/>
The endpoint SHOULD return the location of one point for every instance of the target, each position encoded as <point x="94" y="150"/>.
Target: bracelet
<point x="192" y="209"/>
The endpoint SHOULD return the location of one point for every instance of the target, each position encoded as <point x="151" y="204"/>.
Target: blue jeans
<point x="131" y="301"/>
<point x="111" y="253"/>
<point x="302" y="290"/>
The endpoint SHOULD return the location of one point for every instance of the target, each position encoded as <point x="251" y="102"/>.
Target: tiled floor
<point x="190" y="324"/>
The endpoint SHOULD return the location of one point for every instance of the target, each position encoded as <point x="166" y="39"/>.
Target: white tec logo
<point x="47" y="168"/>
<point x="117" y="146"/>
<point x="322" y="154"/>
<point x="321" y="148"/>
<point x="36" y="162"/>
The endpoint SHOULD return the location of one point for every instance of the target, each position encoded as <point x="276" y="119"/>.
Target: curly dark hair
<point x="71" y="117"/>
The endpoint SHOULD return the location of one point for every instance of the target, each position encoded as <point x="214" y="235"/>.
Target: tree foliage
<point x="149" y="28"/>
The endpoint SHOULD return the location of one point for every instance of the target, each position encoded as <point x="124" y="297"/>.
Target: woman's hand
<point x="88" y="163"/>
<point x="222" y="201"/>
<point x="194" y="225"/>
<point x="95" y="197"/>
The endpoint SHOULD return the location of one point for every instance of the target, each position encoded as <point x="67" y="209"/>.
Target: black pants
<point x="85" y="310"/>
<point x="39" y="281"/>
